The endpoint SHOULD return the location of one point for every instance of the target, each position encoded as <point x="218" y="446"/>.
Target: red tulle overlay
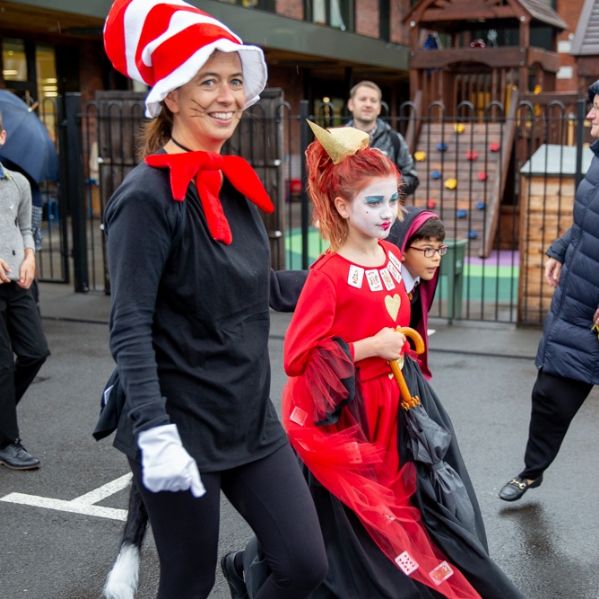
<point x="356" y="459"/>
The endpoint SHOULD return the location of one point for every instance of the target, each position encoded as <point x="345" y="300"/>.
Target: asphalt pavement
<point x="60" y="525"/>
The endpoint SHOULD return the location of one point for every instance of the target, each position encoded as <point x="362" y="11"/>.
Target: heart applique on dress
<point x="393" y="303"/>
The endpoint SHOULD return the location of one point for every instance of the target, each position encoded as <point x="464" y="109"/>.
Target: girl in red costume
<point x="394" y="527"/>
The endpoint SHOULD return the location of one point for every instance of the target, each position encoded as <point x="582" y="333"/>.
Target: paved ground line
<point x="65" y="506"/>
<point x="104" y="491"/>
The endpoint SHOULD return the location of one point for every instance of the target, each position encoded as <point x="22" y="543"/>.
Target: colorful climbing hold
<point x="459" y="128"/>
<point x="451" y="183"/>
<point x="480" y="205"/>
<point x="461" y="213"/>
<point x="442" y="147"/>
<point x="482" y="176"/>
<point x="435" y="175"/>
<point x="494" y="147"/>
<point x="419" y="156"/>
<point x="471" y="155"/>
<point x="431" y="204"/>
<point x="472" y="234"/>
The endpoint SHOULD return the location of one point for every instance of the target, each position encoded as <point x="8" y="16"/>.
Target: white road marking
<point x="104" y="491"/>
<point x="83" y="504"/>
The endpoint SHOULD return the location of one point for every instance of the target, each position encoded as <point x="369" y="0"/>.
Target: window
<point x="14" y="60"/>
<point x="47" y="86"/>
<point x="45" y="61"/>
<point x="334" y="13"/>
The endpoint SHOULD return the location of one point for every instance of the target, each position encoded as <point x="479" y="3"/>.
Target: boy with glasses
<point x="420" y="238"/>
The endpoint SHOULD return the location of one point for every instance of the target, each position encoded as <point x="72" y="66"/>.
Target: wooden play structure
<point x="471" y="66"/>
<point x="463" y="168"/>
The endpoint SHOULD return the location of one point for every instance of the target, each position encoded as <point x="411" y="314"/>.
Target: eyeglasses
<point x="430" y="252"/>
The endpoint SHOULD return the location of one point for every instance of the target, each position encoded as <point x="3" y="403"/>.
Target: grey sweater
<point x="15" y="219"/>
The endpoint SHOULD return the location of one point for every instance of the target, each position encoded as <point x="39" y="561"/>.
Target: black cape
<point x="357" y="567"/>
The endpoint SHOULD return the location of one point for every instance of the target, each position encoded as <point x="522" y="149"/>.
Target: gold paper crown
<point x="340" y="142"/>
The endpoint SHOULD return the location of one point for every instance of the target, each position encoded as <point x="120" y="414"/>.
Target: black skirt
<point x="357" y="567"/>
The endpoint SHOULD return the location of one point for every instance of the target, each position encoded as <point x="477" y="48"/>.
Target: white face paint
<point x="374" y="209"/>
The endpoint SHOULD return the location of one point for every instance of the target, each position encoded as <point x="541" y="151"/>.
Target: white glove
<point x="166" y="466"/>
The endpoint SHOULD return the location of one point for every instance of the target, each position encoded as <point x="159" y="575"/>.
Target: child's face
<point x="373" y="209"/>
<point x="418" y="263"/>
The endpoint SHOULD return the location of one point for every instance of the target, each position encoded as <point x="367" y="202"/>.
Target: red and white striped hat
<point x="164" y="43"/>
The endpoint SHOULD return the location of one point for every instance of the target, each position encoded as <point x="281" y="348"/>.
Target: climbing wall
<point x="460" y="171"/>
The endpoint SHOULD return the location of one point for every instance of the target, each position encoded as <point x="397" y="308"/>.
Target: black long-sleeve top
<point x="190" y="321"/>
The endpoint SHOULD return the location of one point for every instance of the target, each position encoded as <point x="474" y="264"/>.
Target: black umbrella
<point x="428" y="443"/>
<point x="28" y="145"/>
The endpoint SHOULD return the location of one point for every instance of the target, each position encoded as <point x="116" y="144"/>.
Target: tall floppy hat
<point x="164" y="43"/>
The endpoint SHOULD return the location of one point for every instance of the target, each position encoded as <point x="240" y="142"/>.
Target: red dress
<point x="351" y="447"/>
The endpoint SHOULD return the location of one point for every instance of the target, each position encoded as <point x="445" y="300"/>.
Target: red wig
<point x="327" y="181"/>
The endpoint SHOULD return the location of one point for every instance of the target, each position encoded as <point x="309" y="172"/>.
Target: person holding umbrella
<point x="188" y="258"/>
<point x="21" y="331"/>
<point x="395" y="501"/>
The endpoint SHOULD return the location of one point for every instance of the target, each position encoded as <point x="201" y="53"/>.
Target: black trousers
<point x="272" y="495"/>
<point x="555" y="401"/>
<point x="21" y="335"/>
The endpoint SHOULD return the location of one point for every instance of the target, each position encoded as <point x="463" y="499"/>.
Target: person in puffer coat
<point x="568" y="354"/>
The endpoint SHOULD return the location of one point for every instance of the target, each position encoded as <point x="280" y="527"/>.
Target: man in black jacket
<point x="365" y="105"/>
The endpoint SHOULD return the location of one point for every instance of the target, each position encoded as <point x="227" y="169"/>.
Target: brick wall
<point x="290" y="8"/>
<point x="569" y="11"/>
<point x="281" y="77"/>
<point x="90" y="70"/>
<point x="399" y="31"/>
<point x="367" y="18"/>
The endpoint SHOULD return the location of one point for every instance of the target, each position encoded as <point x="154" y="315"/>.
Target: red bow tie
<point x="206" y="167"/>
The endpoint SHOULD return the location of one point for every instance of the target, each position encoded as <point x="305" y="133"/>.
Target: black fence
<point x="502" y="178"/>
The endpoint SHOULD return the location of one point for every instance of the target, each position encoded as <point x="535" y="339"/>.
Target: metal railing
<point x="491" y="220"/>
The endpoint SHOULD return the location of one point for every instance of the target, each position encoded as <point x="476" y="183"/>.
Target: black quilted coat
<point x="568" y="347"/>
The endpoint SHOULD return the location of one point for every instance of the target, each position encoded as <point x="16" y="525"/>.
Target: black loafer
<point x="513" y="490"/>
<point x="16" y="457"/>
<point x="233" y="578"/>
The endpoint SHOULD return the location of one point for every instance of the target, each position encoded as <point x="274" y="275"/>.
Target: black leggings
<point x="272" y="495"/>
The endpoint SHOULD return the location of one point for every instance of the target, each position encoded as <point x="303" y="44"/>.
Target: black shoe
<point x="513" y="490"/>
<point x="233" y="577"/>
<point x="16" y="457"/>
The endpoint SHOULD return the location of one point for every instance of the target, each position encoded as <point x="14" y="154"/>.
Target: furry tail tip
<point x="123" y="578"/>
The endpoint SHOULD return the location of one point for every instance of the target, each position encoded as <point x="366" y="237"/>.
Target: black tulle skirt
<point x="358" y="569"/>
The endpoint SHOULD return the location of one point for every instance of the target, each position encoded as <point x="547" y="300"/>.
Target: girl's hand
<point x="389" y="343"/>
